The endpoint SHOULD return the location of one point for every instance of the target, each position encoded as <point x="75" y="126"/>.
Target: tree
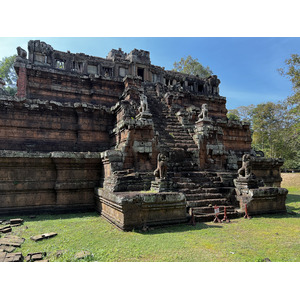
<point x="292" y="107"/>
<point x="244" y="113"/>
<point x="232" y="115"/>
<point x="8" y="74"/>
<point x="191" y="66"/>
<point x="292" y="71"/>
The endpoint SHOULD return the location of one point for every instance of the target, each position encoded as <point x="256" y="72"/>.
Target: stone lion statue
<point x="204" y="112"/>
<point x="246" y="169"/>
<point x="161" y="170"/>
<point x="21" y="52"/>
<point x="144" y="103"/>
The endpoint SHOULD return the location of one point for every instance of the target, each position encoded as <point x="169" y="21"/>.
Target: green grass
<point x="276" y="237"/>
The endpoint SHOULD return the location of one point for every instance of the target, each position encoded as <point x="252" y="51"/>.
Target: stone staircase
<point x="203" y="189"/>
<point x="173" y="139"/>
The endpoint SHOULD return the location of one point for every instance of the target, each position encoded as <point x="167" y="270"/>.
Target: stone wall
<point x="48" y="182"/>
<point x="35" y="125"/>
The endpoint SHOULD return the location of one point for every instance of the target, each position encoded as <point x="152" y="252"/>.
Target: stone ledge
<point x="56" y="154"/>
<point x="137" y="209"/>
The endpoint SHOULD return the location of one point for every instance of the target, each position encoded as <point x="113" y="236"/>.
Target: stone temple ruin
<point x="141" y="145"/>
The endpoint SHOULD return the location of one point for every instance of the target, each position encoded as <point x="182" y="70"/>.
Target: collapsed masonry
<point x="85" y="132"/>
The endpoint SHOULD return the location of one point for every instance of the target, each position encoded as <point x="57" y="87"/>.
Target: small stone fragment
<point x="266" y="259"/>
<point x="59" y="253"/>
<point x="82" y="254"/>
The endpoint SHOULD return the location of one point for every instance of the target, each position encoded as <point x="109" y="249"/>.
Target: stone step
<point x="203" y="196"/>
<point x="207" y="202"/>
<point x="210" y="209"/>
<point x="211" y="190"/>
<point x="211" y="217"/>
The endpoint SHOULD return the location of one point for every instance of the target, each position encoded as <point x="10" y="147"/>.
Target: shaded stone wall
<point x="35" y="125"/>
<point x="46" y="182"/>
<point x="66" y="87"/>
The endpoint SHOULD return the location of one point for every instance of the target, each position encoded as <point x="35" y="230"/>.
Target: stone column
<point x="22" y="82"/>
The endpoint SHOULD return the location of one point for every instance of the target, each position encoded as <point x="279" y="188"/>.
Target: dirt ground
<point x="290" y="180"/>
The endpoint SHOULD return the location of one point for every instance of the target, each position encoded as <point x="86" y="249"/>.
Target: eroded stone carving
<point x="21" y="52"/>
<point x="143" y="104"/>
<point x="204" y="112"/>
<point x="213" y="85"/>
<point x="161" y="170"/>
<point x="246" y="170"/>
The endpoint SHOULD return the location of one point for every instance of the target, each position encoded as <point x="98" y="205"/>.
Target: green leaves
<point x="192" y="66"/>
<point x="8" y="73"/>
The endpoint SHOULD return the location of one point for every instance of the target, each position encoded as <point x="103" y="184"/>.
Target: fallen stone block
<point x="11" y="240"/>
<point x="2" y="256"/>
<point x="43" y="236"/>
<point x="82" y="254"/>
<point x="11" y="257"/>
<point x="16" y="221"/>
<point x="14" y="257"/>
<point x="5" y="229"/>
<point x="7" y="248"/>
<point x="35" y="256"/>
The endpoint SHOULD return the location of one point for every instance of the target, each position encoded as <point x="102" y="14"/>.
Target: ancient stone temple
<point x="141" y="145"/>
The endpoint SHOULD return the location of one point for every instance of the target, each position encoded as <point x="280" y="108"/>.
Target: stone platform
<point x="138" y="209"/>
<point x="260" y="200"/>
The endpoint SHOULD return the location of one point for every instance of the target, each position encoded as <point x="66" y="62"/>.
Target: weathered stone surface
<point x="43" y="236"/>
<point x="11" y="240"/>
<point x="7" y="248"/>
<point x="31" y="257"/>
<point x="5" y="229"/>
<point x="34" y="182"/>
<point x="134" y="210"/>
<point x="11" y="257"/>
<point x="16" y="221"/>
<point x="259" y="200"/>
<point x="127" y="112"/>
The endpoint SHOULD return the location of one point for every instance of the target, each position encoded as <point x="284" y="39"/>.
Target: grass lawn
<point x="276" y="237"/>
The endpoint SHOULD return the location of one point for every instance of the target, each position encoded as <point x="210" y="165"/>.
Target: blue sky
<point x="247" y="67"/>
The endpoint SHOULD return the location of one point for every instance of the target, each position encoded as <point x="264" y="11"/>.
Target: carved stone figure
<point x="21" y="52"/>
<point x="144" y="103"/>
<point x="212" y="85"/>
<point x="204" y="112"/>
<point x="246" y="169"/>
<point x="161" y="170"/>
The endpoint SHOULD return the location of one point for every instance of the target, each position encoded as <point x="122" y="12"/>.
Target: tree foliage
<point x="192" y="66"/>
<point x="276" y="126"/>
<point x="8" y="74"/>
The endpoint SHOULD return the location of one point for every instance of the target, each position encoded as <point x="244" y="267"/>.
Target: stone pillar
<point x="22" y="82"/>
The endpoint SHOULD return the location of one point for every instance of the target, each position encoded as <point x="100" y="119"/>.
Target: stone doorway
<point x="140" y="72"/>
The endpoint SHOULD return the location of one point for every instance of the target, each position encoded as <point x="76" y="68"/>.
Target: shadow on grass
<point x="51" y="216"/>
<point x="178" y="228"/>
